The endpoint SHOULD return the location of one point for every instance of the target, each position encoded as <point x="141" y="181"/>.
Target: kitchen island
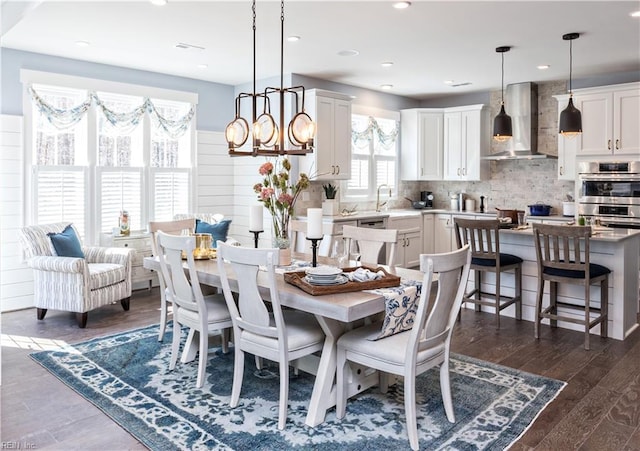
<point x="617" y="249"/>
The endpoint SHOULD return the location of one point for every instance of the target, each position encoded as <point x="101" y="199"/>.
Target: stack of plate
<point x="325" y="275"/>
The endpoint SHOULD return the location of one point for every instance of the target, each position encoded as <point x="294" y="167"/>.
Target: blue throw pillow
<point x="66" y="243"/>
<point x="218" y="231"/>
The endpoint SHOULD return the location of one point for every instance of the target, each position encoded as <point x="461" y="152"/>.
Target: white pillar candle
<point x="314" y="223"/>
<point x="255" y="218"/>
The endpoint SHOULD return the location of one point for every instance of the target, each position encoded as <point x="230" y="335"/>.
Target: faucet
<point x="378" y="204"/>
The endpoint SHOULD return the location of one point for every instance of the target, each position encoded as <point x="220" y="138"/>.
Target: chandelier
<point x="268" y="137"/>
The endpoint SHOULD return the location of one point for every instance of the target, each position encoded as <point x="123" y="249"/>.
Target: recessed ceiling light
<point x="386" y="87"/>
<point x="82" y="44"/>
<point x="348" y="53"/>
<point x="353" y="97"/>
<point x="202" y="66"/>
<point x="543" y="66"/>
<point x="293" y="38"/>
<point x="158" y="2"/>
<point x="448" y="82"/>
<point x="635" y="14"/>
<point x="401" y="5"/>
<point x="387" y="64"/>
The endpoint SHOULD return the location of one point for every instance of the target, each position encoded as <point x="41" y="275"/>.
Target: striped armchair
<point x="75" y="284"/>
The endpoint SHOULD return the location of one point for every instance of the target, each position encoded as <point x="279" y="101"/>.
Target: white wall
<point x="16" y="280"/>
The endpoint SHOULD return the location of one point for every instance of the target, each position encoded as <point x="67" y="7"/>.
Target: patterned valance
<point x="361" y="138"/>
<point x="124" y="122"/>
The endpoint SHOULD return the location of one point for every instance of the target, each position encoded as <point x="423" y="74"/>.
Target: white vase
<point x="331" y="207"/>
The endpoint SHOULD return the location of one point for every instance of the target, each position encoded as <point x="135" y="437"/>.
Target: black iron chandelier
<point x="268" y="137"/>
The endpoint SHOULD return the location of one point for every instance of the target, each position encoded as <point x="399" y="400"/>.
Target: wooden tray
<point x="297" y="278"/>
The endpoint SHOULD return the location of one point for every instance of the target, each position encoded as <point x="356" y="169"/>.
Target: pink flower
<point x="266" y="168"/>
<point x="266" y="193"/>
<point x="285" y="199"/>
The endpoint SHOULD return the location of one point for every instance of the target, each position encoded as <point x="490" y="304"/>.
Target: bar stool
<point x="483" y="236"/>
<point x="563" y="257"/>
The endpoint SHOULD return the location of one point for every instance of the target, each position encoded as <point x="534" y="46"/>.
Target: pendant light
<point x="270" y="137"/>
<point x="502" y="127"/>
<point x="570" y="118"/>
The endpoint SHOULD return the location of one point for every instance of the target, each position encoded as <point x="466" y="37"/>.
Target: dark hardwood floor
<point x="598" y="410"/>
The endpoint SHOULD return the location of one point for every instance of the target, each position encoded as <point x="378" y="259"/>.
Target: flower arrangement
<point x="279" y="193"/>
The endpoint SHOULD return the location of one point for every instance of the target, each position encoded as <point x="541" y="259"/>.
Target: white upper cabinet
<point x="466" y="141"/>
<point x="421" y="134"/>
<point x="331" y="157"/>
<point x="610" y="118"/>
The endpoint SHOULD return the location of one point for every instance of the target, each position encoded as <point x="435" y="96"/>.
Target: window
<point x="374" y="155"/>
<point x="98" y="152"/>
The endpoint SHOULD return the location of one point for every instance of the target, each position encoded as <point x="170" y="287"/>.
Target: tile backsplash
<point x="512" y="184"/>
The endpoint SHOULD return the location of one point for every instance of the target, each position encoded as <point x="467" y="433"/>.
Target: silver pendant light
<point x="570" y="118"/>
<point x="502" y="127"/>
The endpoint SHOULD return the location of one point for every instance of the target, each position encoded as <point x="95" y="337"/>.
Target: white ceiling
<point x="430" y="42"/>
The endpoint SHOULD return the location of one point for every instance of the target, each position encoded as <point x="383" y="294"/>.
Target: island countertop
<point x="613" y="235"/>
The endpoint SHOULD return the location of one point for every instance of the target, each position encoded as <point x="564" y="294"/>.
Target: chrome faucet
<point x="378" y="204"/>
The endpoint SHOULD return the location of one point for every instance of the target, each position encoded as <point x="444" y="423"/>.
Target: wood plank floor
<point x="598" y="410"/>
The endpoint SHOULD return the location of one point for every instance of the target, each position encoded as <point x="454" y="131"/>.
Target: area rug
<point x="127" y="377"/>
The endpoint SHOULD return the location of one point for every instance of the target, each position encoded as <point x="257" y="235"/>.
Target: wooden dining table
<point x="335" y="313"/>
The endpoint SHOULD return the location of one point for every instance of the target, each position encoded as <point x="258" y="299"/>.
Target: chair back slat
<point x="435" y="322"/>
<point x="177" y="227"/>
<point x="482" y="236"/>
<point x="185" y="291"/>
<point x="251" y="312"/>
<point x="370" y="242"/>
<point x="562" y="247"/>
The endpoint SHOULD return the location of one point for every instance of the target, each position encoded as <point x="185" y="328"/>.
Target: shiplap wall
<point x="16" y="280"/>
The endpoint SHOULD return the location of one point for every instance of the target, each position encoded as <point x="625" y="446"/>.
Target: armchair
<point x="75" y="284"/>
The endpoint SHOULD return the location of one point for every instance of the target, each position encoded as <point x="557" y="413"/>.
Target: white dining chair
<point x="276" y="335"/>
<point x="371" y="241"/>
<point x="202" y="314"/>
<point x="174" y="228"/>
<point x="412" y="352"/>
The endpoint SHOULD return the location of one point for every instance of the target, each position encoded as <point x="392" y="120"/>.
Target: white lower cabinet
<point x="428" y="225"/>
<point x="141" y="243"/>
<point x="409" y="245"/>
<point x="442" y="233"/>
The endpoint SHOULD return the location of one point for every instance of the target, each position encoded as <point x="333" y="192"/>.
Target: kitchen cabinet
<point x="466" y="142"/>
<point x="421" y="150"/>
<point x="428" y="221"/>
<point x="610" y="118"/>
<point x="409" y="245"/>
<point x="141" y="243"/>
<point x="444" y="237"/>
<point x="331" y="157"/>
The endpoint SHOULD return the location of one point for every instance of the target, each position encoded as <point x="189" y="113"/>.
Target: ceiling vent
<point x="184" y="46"/>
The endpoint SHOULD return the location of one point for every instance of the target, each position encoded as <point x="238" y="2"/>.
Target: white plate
<point x="339" y="280"/>
<point x="323" y="272"/>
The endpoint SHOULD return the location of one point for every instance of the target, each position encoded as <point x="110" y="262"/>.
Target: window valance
<point x="124" y="122"/>
<point x="361" y="138"/>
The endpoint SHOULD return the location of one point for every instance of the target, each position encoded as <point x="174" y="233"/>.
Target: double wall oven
<point x="610" y="192"/>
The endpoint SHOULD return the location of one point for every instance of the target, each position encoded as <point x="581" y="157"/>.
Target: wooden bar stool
<point x="483" y="236"/>
<point x="563" y="257"/>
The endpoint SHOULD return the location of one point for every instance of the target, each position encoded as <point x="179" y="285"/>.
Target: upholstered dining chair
<point x="176" y="227"/>
<point x="563" y="257"/>
<point x="371" y="242"/>
<point x="74" y="278"/>
<point x="414" y="351"/>
<point x="202" y="314"/>
<point x="483" y="236"/>
<point x="276" y="335"/>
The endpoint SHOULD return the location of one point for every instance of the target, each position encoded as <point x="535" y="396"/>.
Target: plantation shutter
<point x="120" y="190"/>
<point x="171" y="193"/>
<point x="60" y="195"/>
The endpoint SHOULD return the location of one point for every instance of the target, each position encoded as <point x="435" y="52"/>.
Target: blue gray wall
<point x="215" y="101"/>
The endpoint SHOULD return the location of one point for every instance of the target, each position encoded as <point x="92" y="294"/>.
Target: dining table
<point x="336" y="313"/>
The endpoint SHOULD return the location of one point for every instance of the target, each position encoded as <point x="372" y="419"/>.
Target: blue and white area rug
<point x="127" y="377"/>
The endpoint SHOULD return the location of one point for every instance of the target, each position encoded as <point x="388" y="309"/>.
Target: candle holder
<point x="256" y="234"/>
<point x="314" y="250"/>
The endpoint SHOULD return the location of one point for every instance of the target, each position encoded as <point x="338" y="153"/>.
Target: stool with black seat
<point x="563" y="257"/>
<point x="483" y="237"/>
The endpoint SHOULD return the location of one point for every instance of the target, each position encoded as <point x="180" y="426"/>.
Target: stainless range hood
<point x="521" y="103"/>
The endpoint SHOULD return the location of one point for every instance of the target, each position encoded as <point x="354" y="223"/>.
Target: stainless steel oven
<point x="610" y="192"/>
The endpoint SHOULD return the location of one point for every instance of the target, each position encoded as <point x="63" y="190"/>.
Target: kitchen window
<point x="111" y="152"/>
<point x="374" y="154"/>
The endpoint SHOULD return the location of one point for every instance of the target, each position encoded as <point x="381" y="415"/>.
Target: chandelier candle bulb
<point x="255" y="218"/>
<point x="314" y="223"/>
